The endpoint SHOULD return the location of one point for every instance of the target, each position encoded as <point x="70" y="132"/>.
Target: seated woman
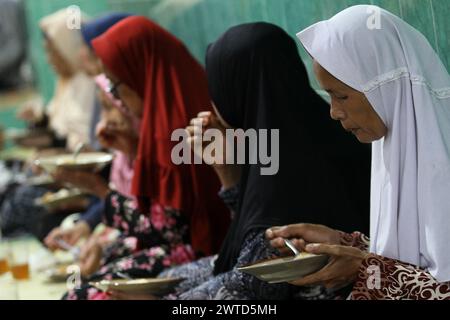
<point x="90" y="30"/>
<point x="24" y="196"/>
<point x="91" y="63"/>
<point x="389" y="88"/>
<point x="177" y="205"/>
<point x="68" y="115"/>
<point x="91" y="66"/>
<point x="118" y="130"/>
<point x="68" y="112"/>
<point x="258" y="81"/>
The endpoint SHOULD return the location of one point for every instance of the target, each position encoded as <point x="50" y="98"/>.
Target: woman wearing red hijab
<point x="161" y="83"/>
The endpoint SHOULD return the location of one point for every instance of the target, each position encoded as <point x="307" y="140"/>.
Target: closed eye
<point x="336" y="96"/>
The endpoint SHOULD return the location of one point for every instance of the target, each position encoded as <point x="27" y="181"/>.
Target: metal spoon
<point x="75" y="251"/>
<point x="78" y="149"/>
<point x="123" y="275"/>
<point x="291" y="246"/>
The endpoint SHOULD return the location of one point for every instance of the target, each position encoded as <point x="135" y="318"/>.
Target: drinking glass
<point x="19" y="259"/>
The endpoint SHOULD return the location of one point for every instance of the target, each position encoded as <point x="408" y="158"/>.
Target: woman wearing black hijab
<point x="258" y="81"/>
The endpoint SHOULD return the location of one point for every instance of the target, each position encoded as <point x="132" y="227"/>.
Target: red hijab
<point x="173" y="87"/>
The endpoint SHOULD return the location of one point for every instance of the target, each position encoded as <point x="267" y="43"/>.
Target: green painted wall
<point x="199" y="22"/>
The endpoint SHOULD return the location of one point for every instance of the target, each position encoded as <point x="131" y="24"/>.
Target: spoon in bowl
<point x="291" y="246"/>
<point x="77" y="151"/>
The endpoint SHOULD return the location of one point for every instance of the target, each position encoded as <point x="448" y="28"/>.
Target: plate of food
<point x="154" y="286"/>
<point x="91" y="161"/>
<point x="61" y="197"/>
<point x="287" y="268"/>
<point x="41" y="180"/>
<point x="59" y="273"/>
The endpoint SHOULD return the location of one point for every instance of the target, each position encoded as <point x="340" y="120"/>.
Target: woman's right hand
<point x="300" y="235"/>
<point x="198" y="126"/>
<point x="90" y="182"/>
<point x="26" y="114"/>
<point x="229" y="174"/>
<point x="90" y="257"/>
<point x="117" y="138"/>
<point x="31" y="111"/>
<point x="80" y="230"/>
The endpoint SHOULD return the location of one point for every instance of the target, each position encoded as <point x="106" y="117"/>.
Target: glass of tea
<point x="4" y="252"/>
<point x="19" y="259"/>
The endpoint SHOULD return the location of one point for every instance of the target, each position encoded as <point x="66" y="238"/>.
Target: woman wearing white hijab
<point x="69" y="115"/>
<point x="71" y="106"/>
<point x="388" y="87"/>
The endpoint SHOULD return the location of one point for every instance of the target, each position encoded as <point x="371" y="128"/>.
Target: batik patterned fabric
<point x="381" y="278"/>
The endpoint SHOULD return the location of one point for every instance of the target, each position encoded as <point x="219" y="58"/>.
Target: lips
<point x="351" y="130"/>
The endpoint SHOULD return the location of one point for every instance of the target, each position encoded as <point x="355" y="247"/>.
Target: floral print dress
<point x="148" y="245"/>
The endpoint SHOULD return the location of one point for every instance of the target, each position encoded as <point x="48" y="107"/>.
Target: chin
<point x="363" y="138"/>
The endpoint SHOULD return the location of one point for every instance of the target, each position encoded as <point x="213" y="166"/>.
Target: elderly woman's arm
<point x="373" y="277"/>
<point x="383" y="278"/>
<point x="355" y="239"/>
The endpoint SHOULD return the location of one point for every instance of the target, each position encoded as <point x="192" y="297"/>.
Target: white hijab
<point x="409" y="88"/>
<point x="71" y="107"/>
<point x="66" y="38"/>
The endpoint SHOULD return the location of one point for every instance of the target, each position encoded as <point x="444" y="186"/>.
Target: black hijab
<point x="257" y="80"/>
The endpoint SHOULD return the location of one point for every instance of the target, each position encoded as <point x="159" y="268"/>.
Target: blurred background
<point x="195" y="22"/>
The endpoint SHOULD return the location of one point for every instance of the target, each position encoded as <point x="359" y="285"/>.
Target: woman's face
<point x="115" y="130"/>
<point x="129" y="97"/>
<point x="112" y="116"/>
<point x="89" y="62"/>
<point x="351" y="108"/>
<point x="57" y="61"/>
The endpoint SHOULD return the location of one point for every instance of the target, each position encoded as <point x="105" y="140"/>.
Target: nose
<point x="336" y="113"/>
